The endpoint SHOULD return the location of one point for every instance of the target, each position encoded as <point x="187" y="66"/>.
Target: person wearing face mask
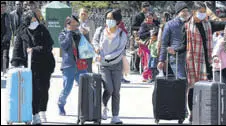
<point x="34" y="38"/>
<point x="16" y="17"/>
<point x="173" y="38"/>
<point x="199" y="47"/>
<point x="69" y="40"/>
<point x="5" y="37"/>
<point x="110" y="48"/>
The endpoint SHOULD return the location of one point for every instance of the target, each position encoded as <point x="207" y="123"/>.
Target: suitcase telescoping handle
<point x="214" y="79"/>
<point x="220" y="102"/>
<point x="167" y="67"/>
<point x="29" y="60"/>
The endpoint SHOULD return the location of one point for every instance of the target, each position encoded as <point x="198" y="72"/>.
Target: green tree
<point x="90" y="4"/>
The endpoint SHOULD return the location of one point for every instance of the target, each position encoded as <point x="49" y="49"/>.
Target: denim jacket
<point x="173" y="36"/>
<point x="68" y="59"/>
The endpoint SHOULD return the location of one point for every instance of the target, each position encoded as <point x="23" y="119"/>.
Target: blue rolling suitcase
<point x="19" y="89"/>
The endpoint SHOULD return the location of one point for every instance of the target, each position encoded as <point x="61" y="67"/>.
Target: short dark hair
<point x="69" y="18"/>
<point x="116" y="13"/>
<point x="3" y="2"/>
<point x="198" y="5"/>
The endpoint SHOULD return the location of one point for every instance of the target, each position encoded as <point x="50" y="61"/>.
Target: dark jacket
<point x="144" y="31"/>
<point x="41" y="43"/>
<point x="66" y="40"/>
<point x="137" y="21"/>
<point x="16" y="21"/>
<point x="5" y="30"/>
<point x="173" y="36"/>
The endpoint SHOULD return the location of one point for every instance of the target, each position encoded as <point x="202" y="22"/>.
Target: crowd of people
<point x="198" y="40"/>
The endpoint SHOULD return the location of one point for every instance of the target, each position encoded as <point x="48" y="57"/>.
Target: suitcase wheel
<point x="78" y="121"/>
<point x="27" y="123"/>
<point x="97" y="122"/>
<point x="180" y="121"/>
<point x="82" y="123"/>
<point x="9" y="123"/>
<point x="157" y="121"/>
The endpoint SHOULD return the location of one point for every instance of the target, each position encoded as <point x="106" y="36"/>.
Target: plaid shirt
<point x="195" y="59"/>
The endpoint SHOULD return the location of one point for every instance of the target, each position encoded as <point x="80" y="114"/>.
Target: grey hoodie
<point x="111" y="52"/>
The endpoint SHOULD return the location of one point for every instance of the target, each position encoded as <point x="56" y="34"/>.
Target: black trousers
<point x="4" y="58"/>
<point x="190" y="99"/>
<point x="41" y="84"/>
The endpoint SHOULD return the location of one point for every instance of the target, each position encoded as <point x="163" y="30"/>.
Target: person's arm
<point x="96" y="38"/>
<point x="45" y="46"/>
<point x="18" y="58"/>
<point x="217" y="25"/>
<point x="143" y="31"/>
<point x="12" y="23"/>
<point x="165" y="42"/>
<point x="65" y="39"/>
<point x="8" y="34"/>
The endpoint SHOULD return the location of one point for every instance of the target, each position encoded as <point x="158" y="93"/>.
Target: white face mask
<point x="201" y="16"/>
<point x="110" y="23"/>
<point x="182" y="19"/>
<point x="33" y="25"/>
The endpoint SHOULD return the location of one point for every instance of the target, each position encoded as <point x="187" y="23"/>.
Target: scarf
<point x="195" y="59"/>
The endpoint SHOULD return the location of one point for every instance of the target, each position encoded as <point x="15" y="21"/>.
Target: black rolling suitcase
<point x="169" y="98"/>
<point x="89" y="101"/>
<point x="209" y="103"/>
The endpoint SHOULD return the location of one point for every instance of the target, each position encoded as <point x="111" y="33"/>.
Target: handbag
<point x="85" y="49"/>
<point x="80" y="63"/>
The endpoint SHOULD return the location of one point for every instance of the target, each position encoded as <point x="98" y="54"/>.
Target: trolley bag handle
<point x="167" y="61"/>
<point x="219" y="93"/>
<point x="214" y="79"/>
<point x="29" y="60"/>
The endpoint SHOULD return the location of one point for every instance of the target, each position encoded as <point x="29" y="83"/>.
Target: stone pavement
<point x="135" y="103"/>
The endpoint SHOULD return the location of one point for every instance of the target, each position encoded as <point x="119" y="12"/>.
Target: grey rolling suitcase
<point x="89" y="101"/>
<point x="209" y="103"/>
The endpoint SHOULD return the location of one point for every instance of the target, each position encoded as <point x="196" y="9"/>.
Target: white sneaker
<point x="43" y="116"/>
<point x="36" y="119"/>
<point x="115" y="120"/>
<point x="105" y="113"/>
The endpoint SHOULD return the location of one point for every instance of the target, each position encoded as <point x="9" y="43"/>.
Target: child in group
<point x="153" y="59"/>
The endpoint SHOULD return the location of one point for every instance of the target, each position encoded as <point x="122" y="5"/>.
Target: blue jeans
<point x="69" y="75"/>
<point x="181" y="65"/>
<point x="152" y="63"/>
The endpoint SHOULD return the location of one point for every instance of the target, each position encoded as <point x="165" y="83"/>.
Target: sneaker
<point x="43" y="116"/>
<point x="125" y="81"/>
<point x="115" y="120"/>
<point x="105" y="113"/>
<point x="36" y="120"/>
<point x="144" y="80"/>
<point x="61" y="110"/>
